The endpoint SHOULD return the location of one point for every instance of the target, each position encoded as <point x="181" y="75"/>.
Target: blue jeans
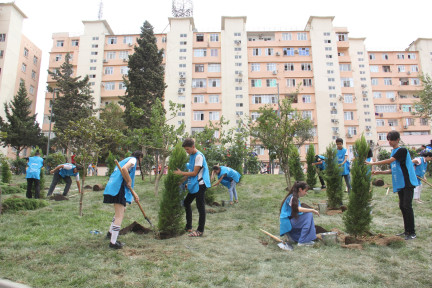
<point x="347" y="182"/>
<point x="232" y="191"/>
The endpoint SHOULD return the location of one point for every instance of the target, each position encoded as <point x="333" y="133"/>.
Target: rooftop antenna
<point x="100" y="14"/>
<point x="182" y="8"/>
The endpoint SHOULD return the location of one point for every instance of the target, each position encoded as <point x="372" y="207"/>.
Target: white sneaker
<point x="310" y="243"/>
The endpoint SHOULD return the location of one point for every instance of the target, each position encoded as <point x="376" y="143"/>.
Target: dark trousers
<point x="200" y="203"/>
<point x="30" y="182"/>
<point x="405" y="205"/>
<point x="56" y="179"/>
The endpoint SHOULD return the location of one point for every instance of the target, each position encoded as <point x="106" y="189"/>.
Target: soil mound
<point x="58" y="197"/>
<point x="136" y="228"/>
<point x="98" y="187"/>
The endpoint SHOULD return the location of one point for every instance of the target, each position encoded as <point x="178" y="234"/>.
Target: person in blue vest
<point x="321" y="165"/>
<point x="198" y="180"/>
<point x="404" y="180"/>
<point x="34" y="164"/>
<point x="342" y="157"/>
<point x="229" y="178"/>
<point x="420" y="165"/>
<point x="297" y="222"/>
<point x="119" y="191"/>
<point x="64" y="171"/>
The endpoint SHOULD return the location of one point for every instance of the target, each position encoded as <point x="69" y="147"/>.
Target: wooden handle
<point x="272" y="236"/>
<point x="424" y="181"/>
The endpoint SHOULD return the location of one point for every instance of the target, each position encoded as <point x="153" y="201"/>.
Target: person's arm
<point x="79" y="186"/>
<point x="382" y="162"/>
<point x="345" y="160"/>
<point x="188" y="174"/>
<point x="305" y="210"/>
<point x="219" y="181"/>
<point x="128" y="181"/>
<point x="56" y="169"/>
<point x="416" y="161"/>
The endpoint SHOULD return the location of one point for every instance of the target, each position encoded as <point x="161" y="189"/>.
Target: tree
<point x="295" y="165"/>
<point x="171" y="212"/>
<point x="145" y="79"/>
<point x="74" y="101"/>
<point x="21" y="129"/>
<point x="311" y="170"/>
<point x="333" y="177"/>
<point x="279" y="130"/>
<point x="357" y="218"/>
<point x="112" y="115"/>
<point x="423" y="107"/>
<point x="383" y="155"/>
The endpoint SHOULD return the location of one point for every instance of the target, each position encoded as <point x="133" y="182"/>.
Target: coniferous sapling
<point x="295" y="165"/>
<point x="311" y="179"/>
<point x="333" y="178"/>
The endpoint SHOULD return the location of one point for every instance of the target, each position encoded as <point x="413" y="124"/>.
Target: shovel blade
<point x="285" y="246"/>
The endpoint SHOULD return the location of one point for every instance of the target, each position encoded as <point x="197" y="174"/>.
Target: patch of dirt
<point x="320" y="229"/>
<point x="98" y="187"/>
<point x="333" y="212"/>
<point x="379" y="239"/>
<point x="58" y="197"/>
<point x="87" y="187"/>
<point x="136" y="228"/>
<point x="263" y="242"/>
<point x="217" y="210"/>
<point x="378" y="182"/>
<point x="215" y="204"/>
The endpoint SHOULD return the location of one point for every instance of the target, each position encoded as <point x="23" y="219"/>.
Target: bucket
<point x="317" y="189"/>
<point x="329" y="238"/>
<point x="322" y="207"/>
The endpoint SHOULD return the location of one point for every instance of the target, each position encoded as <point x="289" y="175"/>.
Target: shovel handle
<point x="272" y="236"/>
<point x="424" y="181"/>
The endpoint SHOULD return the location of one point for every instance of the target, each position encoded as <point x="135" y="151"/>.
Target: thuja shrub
<point x="295" y="165"/>
<point x="311" y="179"/>
<point x="5" y="171"/>
<point x="6" y="189"/>
<point x="171" y="212"/>
<point x="17" y="204"/>
<point x="333" y="178"/>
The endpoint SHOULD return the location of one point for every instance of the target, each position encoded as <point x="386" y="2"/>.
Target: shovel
<point x="283" y="245"/>
<point x="136" y="200"/>
<point x="424" y="181"/>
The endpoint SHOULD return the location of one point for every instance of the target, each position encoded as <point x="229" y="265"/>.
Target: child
<point x="404" y="180"/>
<point x="119" y="191"/>
<point x="342" y="155"/>
<point x="420" y="165"/>
<point x="295" y="221"/>
<point x="65" y="171"/>
<point x="321" y="165"/>
<point x="198" y="181"/>
<point x="229" y="178"/>
<point x="35" y="165"/>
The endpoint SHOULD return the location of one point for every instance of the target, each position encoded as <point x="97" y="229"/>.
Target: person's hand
<point x="375" y="172"/>
<point x="135" y="195"/>
<point x="178" y="172"/>
<point x="315" y="212"/>
<point x="52" y="171"/>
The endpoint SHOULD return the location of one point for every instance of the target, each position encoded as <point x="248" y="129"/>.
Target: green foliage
<point x="16" y="204"/>
<point x="252" y="164"/>
<point x="145" y="79"/>
<point x="54" y="159"/>
<point x="383" y="155"/>
<point x="19" y="166"/>
<point x="110" y="163"/>
<point x="7" y="189"/>
<point x="423" y="108"/>
<point x="21" y="129"/>
<point x="311" y="179"/>
<point x="412" y="151"/>
<point x="295" y="165"/>
<point x="171" y="212"/>
<point x="5" y="171"/>
<point x="333" y="178"/>
<point x="210" y="196"/>
<point x="358" y="217"/>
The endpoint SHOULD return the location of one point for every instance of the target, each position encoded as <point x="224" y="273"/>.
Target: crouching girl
<point x="295" y="221"/>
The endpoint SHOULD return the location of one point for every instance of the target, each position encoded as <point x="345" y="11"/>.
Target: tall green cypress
<point x="145" y="80"/>
<point x="311" y="179"/>
<point x="357" y="218"/>
<point x="333" y="178"/>
<point x="295" y="164"/>
<point x="171" y="212"/>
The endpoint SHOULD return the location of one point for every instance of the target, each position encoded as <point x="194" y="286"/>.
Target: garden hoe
<point x="283" y="245"/>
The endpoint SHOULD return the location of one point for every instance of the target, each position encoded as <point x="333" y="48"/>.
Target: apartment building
<point x="331" y="78"/>
<point x="20" y="59"/>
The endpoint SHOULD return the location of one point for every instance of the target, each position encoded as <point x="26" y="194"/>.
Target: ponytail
<point x="294" y="191"/>
<point x="138" y="155"/>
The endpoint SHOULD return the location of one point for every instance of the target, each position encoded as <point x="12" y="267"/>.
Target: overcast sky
<point x="387" y="25"/>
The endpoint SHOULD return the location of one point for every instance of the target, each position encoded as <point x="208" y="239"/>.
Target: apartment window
<point x="332" y="88"/>
<point x="255" y="116"/>
<point x="271" y="67"/>
<point x="255" y="67"/>
<point x="26" y="52"/>
<point x="109" y="70"/>
<point x="237" y="56"/>
<point x="385" y="108"/>
<point x="33" y="75"/>
<point x="331" y="79"/>
<point x="352" y="130"/>
<point x="182" y="57"/>
<point x="291" y="82"/>
<point x="371" y="56"/>
<point x="198" y="83"/>
<point x="302" y="36"/>
<point x="239" y="96"/>
<point x="31" y="89"/>
<point x="289" y="66"/>
<point x="199" y="99"/>
<point x="306" y="67"/>
<point x="411" y="56"/>
<point x="214" y="37"/>
<point x="214" y="83"/>
<point x="414" y="68"/>
<point x="424" y="121"/>
<point x="306" y="98"/>
<point x="199" y="67"/>
<point x="237" y="49"/>
<point x="95" y="38"/>
<point x="328" y="56"/>
<point x="122" y="86"/>
<point x="238" y="64"/>
<point x="288" y="51"/>
<point x="60" y="43"/>
<point x="92" y="76"/>
<point x="400" y="56"/>
<point x="75" y="43"/>
<point x="2" y="37"/>
<point x="93" y="53"/>
<point x="127" y="40"/>
<point x="214" y="115"/>
<point x="264" y="99"/>
<point x="345" y="67"/>
<point x="390" y="95"/>
<point x="109" y="85"/>
<point x="112" y="40"/>
<point x="58" y="57"/>
<point x="328" y="48"/>
<point x="380" y="122"/>
<point x="347" y="82"/>
<point x="387" y="81"/>
<point x="213" y="98"/>
<point x="348" y="98"/>
<point x="329" y="63"/>
<point x="415" y="81"/>
<point x="271" y="83"/>
<point x="199" y="37"/>
<point x="385" y="56"/>
<point x="198" y="116"/>
<point x="256" y="52"/>
<point x="382" y="136"/>
<point x="95" y="46"/>
<point x="239" y="104"/>
<point x="200" y="52"/>
<point x="124" y="70"/>
<point x="393" y="122"/>
<point x="342" y="36"/>
<point x="182" y="65"/>
<point x="256" y="83"/>
<point x="307" y="115"/>
<point x="92" y="68"/>
<point x="409" y="121"/>
<point x="307" y="82"/>
<point x="214" y="68"/>
<point x="286" y="36"/>
<point x="23" y="67"/>
<point x="182" y="50"/>
<point x="111" y="55"/>
<point x="303" y="51"/>
<point x="183" y="42"/>
<point x="237" y="34"/>
<point x="269" y="52"/>
<point x="374" y="81"/>
<point x="330" y="71"/>
<point x="214" y="52"/>
<point x="349" y="115"/>
<point x="327" y="41"/>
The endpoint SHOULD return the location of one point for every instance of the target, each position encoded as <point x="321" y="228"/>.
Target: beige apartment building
<point x="344" y="89"/>
<point x="20" y="59"/>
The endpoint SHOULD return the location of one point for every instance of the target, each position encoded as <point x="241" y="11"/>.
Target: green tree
<point x="383" y="155"/>
<point x="357" y="218"/>
<point x="73" y="100"/>
<point x="21" y="129"/>
<point x="5" y="171"/>
<point x="295" y="165"/>
<point x="311" y="179"/>
<point x="145" y="80"/>
<point x="279" y="130"/>
<point x="423" y="107"/>
<point x="171" y="212"/>
<point x="333" y="177"/>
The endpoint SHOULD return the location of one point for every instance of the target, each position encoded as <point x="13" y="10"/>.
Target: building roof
<point x="16" y="8"/>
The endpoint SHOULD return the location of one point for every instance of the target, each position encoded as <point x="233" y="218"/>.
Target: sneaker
<point x="310" y="243"/>
<point x="117" y="245"/>
<point x="108" y="236"/>
<point x="402" y="234"/>
<point x="410" y="236"/>
<point x="323" y="187"/>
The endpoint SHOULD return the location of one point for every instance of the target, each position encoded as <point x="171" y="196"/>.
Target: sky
<point x="386" y="25"/>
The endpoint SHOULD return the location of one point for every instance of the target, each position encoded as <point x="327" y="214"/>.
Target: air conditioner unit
<point x="296" y="52"/>
<point x="364" y="93"/>
<point x="277" y="54"/>
<point x="237" y="42"/>
<point x="182" y="83"/>
<point x="405" y="126"/>
<point x="125" y="60"/>
<point x="392" y="99"/>
<point x="240" y="74"/>
<point x="182" y="76"/>
<point x="180" y="91"/>
<point x="274" y="72"/>
<point x="335" y="132"/>
<point x="408" y="73"/>
<point x="102" y="84"/>
<point x="105" y="61"/>
<point x="367" y="128"/>
<point x="363" y="86"/>
<point x="341" y="98"/>
<point x="349" y="135"/>
<point x="130" y="44"/>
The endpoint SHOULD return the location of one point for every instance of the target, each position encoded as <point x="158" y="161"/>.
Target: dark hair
<point x="188" y="142"/>
<point x="370" y="153"/>
<point x="426" y="154"/>
<point x="393" y="136"/>
<point x="294" y="191"/>
<point x="339" y="140"/>
<point x="423" y="146"/>
<point x="215" y="168"/>
<point x="78" y="167"/>
<point x="37" y="153"/>
<point x="138" y="154"/>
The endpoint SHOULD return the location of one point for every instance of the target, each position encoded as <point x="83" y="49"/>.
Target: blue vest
<point x="193" y="183"/>
<point x="231" y="175"/>
<point x="341" y="157"/>
<point x="116" y="179"/>
<point x="323" y="164"/>
<point x="398" y="180"/>
<point x="369" y="168"/>
<point x="284" y="221"/>
<point x="420" y="170"/>
<point x="64" y="172"/>
<point x="34" y="166"/>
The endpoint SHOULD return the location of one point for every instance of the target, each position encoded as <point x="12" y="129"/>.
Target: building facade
<point x="20" y="59"/>
<point x="332" y="79"/>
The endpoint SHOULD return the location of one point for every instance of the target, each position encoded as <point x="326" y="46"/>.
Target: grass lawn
<point x="53" y="246"/>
